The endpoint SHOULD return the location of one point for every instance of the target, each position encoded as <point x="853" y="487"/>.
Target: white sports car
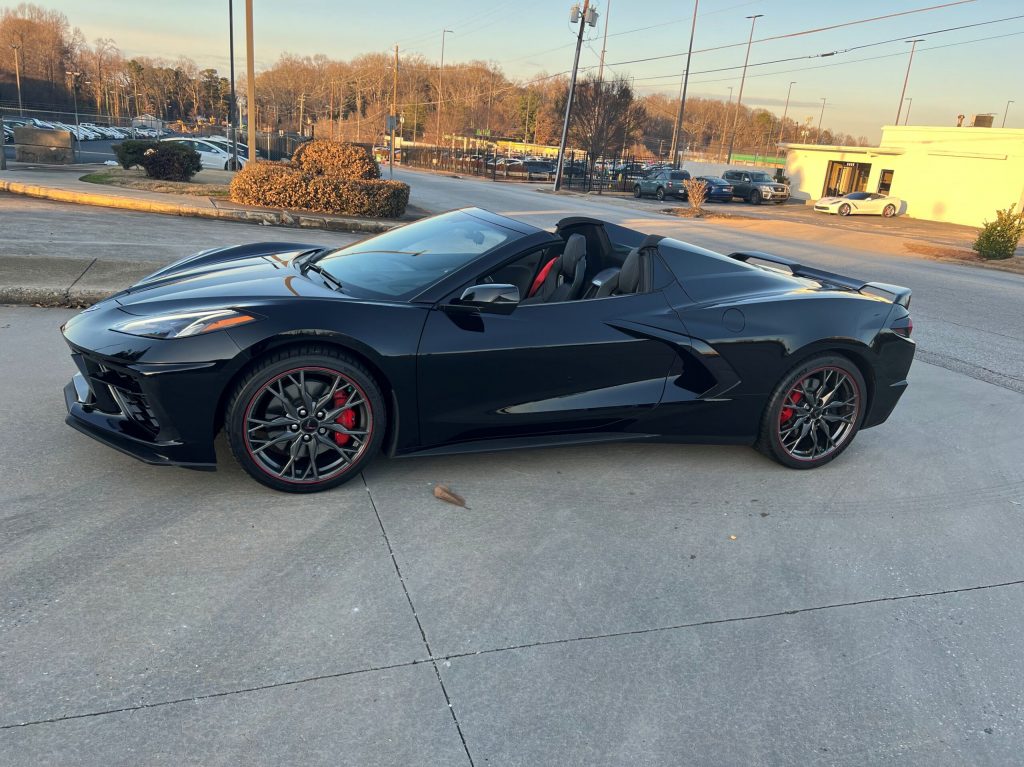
<point x="858" y="203"/>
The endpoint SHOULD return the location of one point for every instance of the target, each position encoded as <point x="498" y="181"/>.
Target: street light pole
<point x="440" y="75"/>
<point x="74" y="93"/>
<point x="910" y="100"/>
<point x="721" y="144"/>
<point x="17" y="77"/>
<point x="583" y="21"/>
<point x="820" y="117"/>
<point x="232" y="108"/>
<point x="1005" y="112"/>
<point x="604" y="45"/>
<point x="782" y="125"/>
<point x="906" y="78"/>
<point x="250" y="84"/>
<point x="743" y="79"/>
<point x="677" y="128"/>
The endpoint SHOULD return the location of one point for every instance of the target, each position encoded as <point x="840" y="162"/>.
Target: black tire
<point x="660" y="194"/>
<point x="636" y="191"/>
<point x="337" y="447"/>
<point x="755" y="197"/>
<point x="227" y="165"/>
<point x="844" y="210"/>
<point x="791" y="414"/>
<point x="889" y="210"/>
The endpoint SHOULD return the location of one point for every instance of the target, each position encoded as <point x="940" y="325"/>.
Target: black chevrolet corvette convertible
<point x="472" y="331"/>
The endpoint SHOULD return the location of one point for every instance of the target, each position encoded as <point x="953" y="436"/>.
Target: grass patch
<point x="702" y="213"/>
<point x="137" y="179"/>
<point x="1012" y="264"/>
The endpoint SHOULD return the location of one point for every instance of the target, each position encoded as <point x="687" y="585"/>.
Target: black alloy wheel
<point x="814" y="413"/>
<point x="755" y="197"/>
<point x="844" y="210"/>
<point x="636" y="191"/>
<point x="306" y="420"/>
<point x="660" y="194"/>
<point x="889" y="210"/>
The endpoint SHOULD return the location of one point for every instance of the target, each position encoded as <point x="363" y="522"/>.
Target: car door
<point x="211" y="156"/>
<point x="575" y="366"/>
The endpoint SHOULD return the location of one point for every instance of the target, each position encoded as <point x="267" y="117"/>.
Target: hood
<point x="225" y="277"/>
<point x="828" y="200"/>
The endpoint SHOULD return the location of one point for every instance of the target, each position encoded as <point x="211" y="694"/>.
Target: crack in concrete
<point x="529" y="645"/>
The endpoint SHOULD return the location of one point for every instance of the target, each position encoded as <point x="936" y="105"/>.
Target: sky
<point x="965" y="71"/>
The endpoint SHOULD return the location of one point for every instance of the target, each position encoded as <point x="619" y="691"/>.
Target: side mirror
<point x="499" y="299"/>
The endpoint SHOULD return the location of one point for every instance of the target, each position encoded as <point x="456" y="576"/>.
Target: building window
<point x="885" y="182"/>
<point x="844" y="177"/>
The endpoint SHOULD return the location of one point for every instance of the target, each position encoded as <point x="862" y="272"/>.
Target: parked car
<point x="719" y="190"/>
<point x="313" y="360"/>
<point x="860" y="203"/>
<point x="756" y="186"/>
<point x="662" y="184"/>
<point x="539" y="169"/>
<point x="211" y="155"/>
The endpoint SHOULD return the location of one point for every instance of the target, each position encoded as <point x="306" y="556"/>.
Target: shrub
<point x="171" y="161"/>
<point x="999" y="239"/>
<point x="335" y="158"/>
<point x="129" y="153"/>
<point x="696" y="192"/>
<point x="282" y="185"/>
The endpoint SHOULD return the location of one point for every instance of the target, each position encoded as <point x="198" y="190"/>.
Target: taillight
<point x="904" y="326"/>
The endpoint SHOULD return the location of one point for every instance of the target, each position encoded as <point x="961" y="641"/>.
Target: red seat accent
<point x="541" y="276"/>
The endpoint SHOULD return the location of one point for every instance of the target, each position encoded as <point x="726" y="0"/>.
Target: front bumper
<point x="123" y="433"/>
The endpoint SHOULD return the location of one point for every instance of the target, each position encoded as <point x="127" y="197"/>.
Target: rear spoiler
<point x="894" y="293"/>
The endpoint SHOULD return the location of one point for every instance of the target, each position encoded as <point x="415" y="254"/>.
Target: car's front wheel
<point x="889" y="211"/>
<point x="814" y="412"/>
<point x="636" y="191"/>
<point x="755" y="197"/>
<point x="844" y="210"/>
<point x="305" y="419"/>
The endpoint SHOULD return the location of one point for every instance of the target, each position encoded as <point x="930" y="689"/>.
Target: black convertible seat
<point x="630" y="274"/>
<point x="565" y="280"/>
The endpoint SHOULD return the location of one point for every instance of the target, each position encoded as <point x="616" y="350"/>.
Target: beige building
<point x="959" y="175"/>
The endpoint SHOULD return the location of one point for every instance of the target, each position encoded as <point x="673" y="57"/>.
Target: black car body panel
<point x="692" y="355"/>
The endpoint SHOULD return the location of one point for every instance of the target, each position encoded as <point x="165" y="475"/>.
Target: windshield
<point x="760" y="177"/>
<point x="405" y="261"/>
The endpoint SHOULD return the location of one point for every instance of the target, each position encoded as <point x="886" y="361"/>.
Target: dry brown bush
<point x="335" y="158"/>
<point x="696" y="192"/>
<point x="282" y="185"/>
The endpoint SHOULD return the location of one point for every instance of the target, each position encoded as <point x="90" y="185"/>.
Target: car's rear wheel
<point x="755" y="197"/>
<point x="814" y="412"/>
<point x="306" y="419"/>
<point x="636" y="190"/>
<point x="660" y="194"/>
<point x="844" y="210"/>
<point x="889" y="211"/>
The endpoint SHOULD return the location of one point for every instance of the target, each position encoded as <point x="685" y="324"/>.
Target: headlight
<point x="765" y="188"/>
<point x="185" y="324"/>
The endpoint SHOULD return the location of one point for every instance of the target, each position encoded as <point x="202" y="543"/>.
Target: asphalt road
<point x="605" y="605"/>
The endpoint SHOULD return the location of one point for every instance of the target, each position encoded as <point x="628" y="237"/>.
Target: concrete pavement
<point x="590" y="608"/>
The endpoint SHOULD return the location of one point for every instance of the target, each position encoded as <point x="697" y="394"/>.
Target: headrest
<point x="575" y="249"/>
<point x="629" y="276"/>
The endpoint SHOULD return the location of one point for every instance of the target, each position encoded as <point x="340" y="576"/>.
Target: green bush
<point x="129" y="153"/>
<point x="999" y="239"/>
<point x="283" y="185"/>
<point x="171" y="161"/>
<point x="335" y="158"/>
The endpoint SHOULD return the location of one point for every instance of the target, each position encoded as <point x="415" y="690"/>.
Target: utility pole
<point x="721" y="145"/>
<point x="232" y="106"/>
<point x="682" y="93"/>
<point x="3" y="142"/>
<point x="587" y="16"/>
<point x="782" y="125"/>
<point x="906" y="120"/>
<point x="822" y="115"/>
<point x="302" y="109"/>
<point x="251" y="83"/>
<point x="332" y="110"/>
<point x="743" y="79"/>
<point x="1006" y="112"/>
<point x="440" y="97"/>
<point x="17" y="76"/>
<point x="394" y="116"/>
<point x="906" y="78"/>
<point x="604" y="44"/>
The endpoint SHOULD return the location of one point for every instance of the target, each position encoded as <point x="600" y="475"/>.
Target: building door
<point x="885" y="182"/>
<point x="845" y="177"/>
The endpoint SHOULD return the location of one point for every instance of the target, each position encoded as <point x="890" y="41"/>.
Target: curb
<point x="265" y="217"/>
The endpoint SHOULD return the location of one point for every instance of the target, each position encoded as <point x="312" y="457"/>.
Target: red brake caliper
<point x="787" y="412"/>
<point x="346" y="419"/>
